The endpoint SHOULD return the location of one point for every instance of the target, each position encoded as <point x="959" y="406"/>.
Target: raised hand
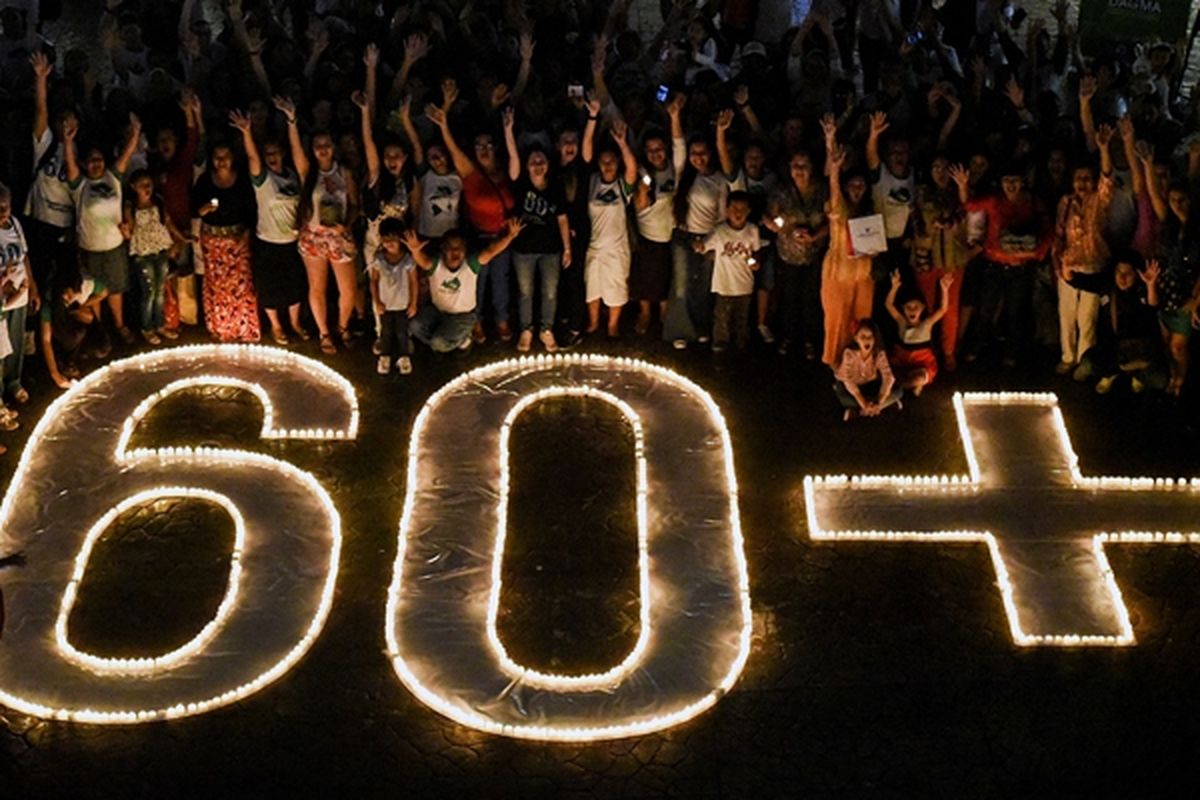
<point x="618" y="131"/>
<point x="879" y="123"/>
<point x="449" y="92"/>
<point x="500" y="95"/>
<point x="405" y="106"/>
<point x="960" y="175"/>
<point x="724" y="119"/>
<point x="371" y="56"/>
<point x="436" y="115"/>
<point x="741" y="95"/>
<point x="416" y="47"/>
<point x="592" y="104"/>
<point x="895" y="279"/>
<point x="1125" y="127"/>
<point x="41" y="65"/>
<point x="1151" y="272"/>
<point x="70" y="129"/>
<point x="412" y="241"/>
<point x="1087" y="88"/>
<point x="359" y="99"/>
<point x="829" y="127"/>
<point x="1015" y="94"/>
<point x="946" y="282"/>
<point x="837" y="157"/>
<point x="676" y="103"/>
<point x="527" y="45"/>
<point x="512" y="227"/>
<point x="135" y="126"/>
<point x="240" y="121"/>
<point x="285" y="105"/>
<point x="1144" y="151"/>
<point x="1104" y="135"/>
<point x="508" y="116"/>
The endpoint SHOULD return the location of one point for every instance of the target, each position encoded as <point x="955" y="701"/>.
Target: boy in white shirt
<point x="393" y="278"/>
<point x="734" y="242"/>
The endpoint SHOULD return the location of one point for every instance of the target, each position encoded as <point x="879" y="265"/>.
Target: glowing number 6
<point x="695" y="603"/>
<point x="77" y="474"/>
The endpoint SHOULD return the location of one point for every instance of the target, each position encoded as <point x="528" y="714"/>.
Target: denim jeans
<point x="152" y="277"/>
<point x="442" y="332"/>
<point x="14" y="362"/>
<point x="494" y="274"/>
<point x="394" y="337"/>
<point x="682" y="321"/>
<point x="527" y="265"/>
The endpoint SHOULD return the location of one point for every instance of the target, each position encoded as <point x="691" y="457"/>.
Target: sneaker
<point x="1105" y="384"/>
<point x="404" y="365"/>
<point x="765" y="333"/>
<point x="679" y="344"/>
<point x="384" y="365"/>
<point x="547" y="339"/>
<point x="525" y="342"/>
<point x="1064" y="367"/>
<point x="151" y="338"/>
<point x="168" y="333"/>
<point x="1137" y="385"/>
<point x="377" y="347"/>
<point x="1082" y="372"/>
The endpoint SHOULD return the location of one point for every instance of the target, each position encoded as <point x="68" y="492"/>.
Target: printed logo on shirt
<point x="900" y="195"/>
<point x="735" y="249"/>
<point x="102" y="190"/>
<point x="536" y="208"/>
<point x="608" y="196"/>
<point x="452" y="284"/>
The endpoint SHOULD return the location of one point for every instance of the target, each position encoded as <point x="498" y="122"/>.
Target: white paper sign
<point x="866" y="235"/>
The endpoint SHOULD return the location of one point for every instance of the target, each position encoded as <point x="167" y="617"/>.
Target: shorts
<point x="1177" y="321"/>
<point x="908" y="360"/>
<point x="326" y="243"/>
<point x="109" y="267"/>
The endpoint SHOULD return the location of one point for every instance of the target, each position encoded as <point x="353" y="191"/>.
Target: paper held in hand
<point x="866" y="235"/>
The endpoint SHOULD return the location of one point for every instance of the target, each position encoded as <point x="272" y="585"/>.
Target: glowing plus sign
<point x="1044" y="523"/>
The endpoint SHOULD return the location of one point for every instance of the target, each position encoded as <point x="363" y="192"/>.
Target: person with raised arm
<point x="49" y="206"/>
<point x="544" y="246"/>
<point x="487" y="195"/>
<point x="99" y="212"/>
<point x="278" y="271"/>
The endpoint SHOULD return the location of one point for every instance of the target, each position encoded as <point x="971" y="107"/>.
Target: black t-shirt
<point x="539" y="210"/>
<point x="236" y="205"/>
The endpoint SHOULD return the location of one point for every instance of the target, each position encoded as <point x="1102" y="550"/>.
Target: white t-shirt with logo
<point x="732" y="274"/>
<point x="13" y="275"/>
<point x="894" y="200"/>
<point x="440" y="195"/>
<point x="657" y="220"/>
<point x="706" y="203"/>
<point x="453" y="290"/>
<point x="606" y="210"/>
<point x="277" y="198"/>
<point x="50" y="197"/>
<point x="98" y="208"/>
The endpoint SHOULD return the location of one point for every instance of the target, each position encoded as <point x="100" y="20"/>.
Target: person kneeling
<point x="446" y="325"/>
<point x="71" y="310"/>
<point x="916" y="363"/>
<point x="864" y="373"/>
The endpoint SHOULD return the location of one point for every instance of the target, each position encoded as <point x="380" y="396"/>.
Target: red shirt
<point x="1026" y="217"/>
<point x="487" y="201"/>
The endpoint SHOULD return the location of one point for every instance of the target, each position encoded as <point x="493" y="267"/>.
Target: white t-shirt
<point x="606" y="210"/>
<point x="277" y="197"/>
<point x="453" y="291"/>
<point x="50" y="197"/>
<point x="656" y="221"/>
<point x="439" y="203"/>
<point x="732" y="273"/>
<point x="393" y="280"/>
<point x="13" y="251"/>
<point x="98" y="209"/>
<point x="894" y="200"/>
<point x="706" y="203"/>
<point x="330" y="198"/>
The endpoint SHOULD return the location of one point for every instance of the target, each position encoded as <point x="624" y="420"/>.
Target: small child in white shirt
<point x="734" y="242"/>
<point x="393" y="277"/>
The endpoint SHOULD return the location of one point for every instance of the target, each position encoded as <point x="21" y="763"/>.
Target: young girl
<point x="864" y="366"/>
<point x="913" y="355"/>
<point x="152" y="237"/>
<point x="393" y="277"/>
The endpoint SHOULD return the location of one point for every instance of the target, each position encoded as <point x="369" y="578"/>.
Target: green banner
<point x="1137" y="20"/>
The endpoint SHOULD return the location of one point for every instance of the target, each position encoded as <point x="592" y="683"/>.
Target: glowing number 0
<point x="77" y="474"/>
<point x="695" y="604"/>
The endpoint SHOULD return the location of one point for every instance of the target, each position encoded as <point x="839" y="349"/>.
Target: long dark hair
<point x="304" y="210"/>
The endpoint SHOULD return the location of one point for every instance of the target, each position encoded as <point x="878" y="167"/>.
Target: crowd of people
<point x="894" y="187"/>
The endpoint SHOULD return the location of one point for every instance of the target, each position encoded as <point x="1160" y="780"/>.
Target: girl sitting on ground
<point x="865" y="383"/>
<point x="915" y="362"/>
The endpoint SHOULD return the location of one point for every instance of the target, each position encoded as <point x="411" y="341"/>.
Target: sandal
<point x="327" y="345"/>
<point x="279" y="336"/>
<point x="302" y="333"/>
<point x="347" y="337"/>
<point x="7" y="413"/>
<point x="20" y="396"/>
